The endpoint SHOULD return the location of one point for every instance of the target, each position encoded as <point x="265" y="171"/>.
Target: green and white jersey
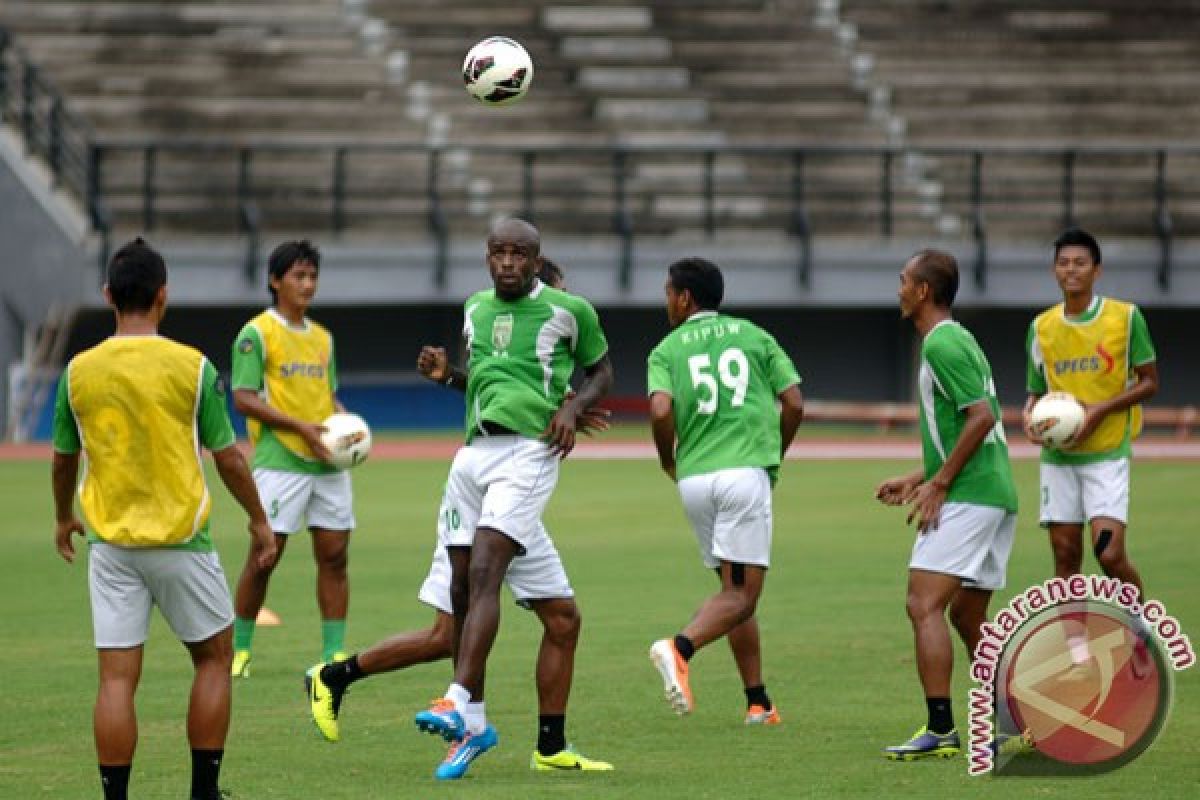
<point x="955" y="374"/>
<point x="522" y="354"/>
<point x="724" y="375"/>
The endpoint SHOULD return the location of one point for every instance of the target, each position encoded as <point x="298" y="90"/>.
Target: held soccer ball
<point x="497" y="71"/>
<point x="347" y="438"/>
<point x="1056" y="418"/>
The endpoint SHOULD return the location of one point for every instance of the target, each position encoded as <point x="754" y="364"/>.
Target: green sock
<point x="333" y="634"/>
<point x="243" y="633"/>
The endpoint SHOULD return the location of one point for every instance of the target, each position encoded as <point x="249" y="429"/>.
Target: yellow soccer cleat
<point x="567" y="760"/>
<point x="323" y="703"/>
<point x="241" y="664"/>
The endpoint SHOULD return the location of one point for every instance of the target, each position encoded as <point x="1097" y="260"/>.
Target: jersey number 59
<point x="732" y="369"/>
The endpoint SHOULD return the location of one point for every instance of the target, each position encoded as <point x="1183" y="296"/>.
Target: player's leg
<point x="208" y="711"/>
<point x="968" y="612"/>
<point x="331" y="518"/>
<point x="491" y="554"/>
<point x="1106" y="506"/>
<point x="1062" y="514"/>
<point x="114" y="719"/>
<point x="745" y="644"/>
<point x="284" y="496"/>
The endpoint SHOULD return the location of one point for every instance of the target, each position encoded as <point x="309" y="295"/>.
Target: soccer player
<point x="1099" y="350"/>
<point x="140" y="406"/>
<point x="713" y="384"/>
<point x="963" y="500"/>
<point x="539" y="583"/>
<point x="523" y="340"/>
<point x="284" y="380"/>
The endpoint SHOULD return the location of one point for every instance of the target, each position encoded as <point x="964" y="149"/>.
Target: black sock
<point x="941" y="717"/>
<point x="206" y="768"/>
<point x="340" y="674"/>
<point x="685" y="647"/>
<point x="757" y="696"/>
<point x="552" y="737"/>
<point x="115" y="781"/>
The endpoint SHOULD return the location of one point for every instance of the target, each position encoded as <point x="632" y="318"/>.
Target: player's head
<point x="292" y="270"/>
<point x="929" y="277"/>
<point x="137" y="279"/>
<point x="514" y="256"/>
<point x="551" y="274"/>
<point x="1077" y="261"/>
<point x="693" y="284"/>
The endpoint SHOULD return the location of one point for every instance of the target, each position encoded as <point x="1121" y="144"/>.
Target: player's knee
<point x="485" y="578"/>
<point x="564" y="624"/>
<point x="439" y="644"/>
<point x="335" y="562"/>
<point x="920" y="607"/>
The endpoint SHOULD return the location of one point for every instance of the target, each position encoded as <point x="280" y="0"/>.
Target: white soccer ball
<point x="497" y="71"/>
<point x="348" y="440"/>
<point x="1056" y="418"/>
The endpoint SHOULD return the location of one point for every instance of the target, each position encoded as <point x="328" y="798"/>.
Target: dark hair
<point x="135" y="274"/>
<point x="550" y="274"/>
<point x="287" y="255"/>
<point x="700" y="277"/>
<point x="1077" y="237"/>
<point x="938" y="269"/>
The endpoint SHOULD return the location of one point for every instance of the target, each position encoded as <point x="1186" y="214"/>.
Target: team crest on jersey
<point x="246" y="345"/>
<point x="502" y="330"/>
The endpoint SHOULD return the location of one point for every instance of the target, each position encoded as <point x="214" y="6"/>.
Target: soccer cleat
<point x="442" y="719"/>
<point x="569" y="760"/>
<point x="674" y="672"/>
<point x="757" y="715"/>
<point x="241" y="664"/>
<point x="1012" y="744"/>
<point x="324" y="703"/>
<point x="462" y="753"/>
<point x="924" y="744"/>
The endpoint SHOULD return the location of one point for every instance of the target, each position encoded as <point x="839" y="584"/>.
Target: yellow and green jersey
<point x="292" y="369"/>
<point x="522" y="353"/>
<point x="1092" y="357"/>
<point x="955" y="374"/>
<point x="724" y="375"/>
<point x="140" y="407"/>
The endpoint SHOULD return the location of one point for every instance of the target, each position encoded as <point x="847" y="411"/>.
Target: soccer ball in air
<point x="1056" y="418"/>
<point x="497" y="71"/>
<point x="347" y="438"/>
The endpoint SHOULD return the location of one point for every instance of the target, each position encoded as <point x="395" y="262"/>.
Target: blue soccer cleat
<point x="462" y="753"/>
<point x="442" y="719"/>
<point x="924" y="744"/>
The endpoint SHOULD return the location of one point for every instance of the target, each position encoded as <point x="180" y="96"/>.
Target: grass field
<point x="837" y="644"/>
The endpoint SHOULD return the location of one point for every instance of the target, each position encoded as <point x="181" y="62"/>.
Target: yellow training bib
<point x="295" y="376"/>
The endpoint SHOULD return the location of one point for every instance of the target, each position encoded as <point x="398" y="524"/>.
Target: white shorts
<point x="1080" y="493"/>
<point x="970" y="542"/>
<point x="327" y="501"/>
<point x="498" y="482"/>
<point x="125" y="582"/>
<point x="537" y="575"/>
<point x="730" y="512"/>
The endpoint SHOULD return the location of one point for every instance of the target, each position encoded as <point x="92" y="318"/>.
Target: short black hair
<point x="135" y="274"/>
<point x="550" y="273"/>
<point x="286" y="255"/>
<point x="700" y="277"/>
<point x="1078" y="237"/>
<point x="939" y="270"/>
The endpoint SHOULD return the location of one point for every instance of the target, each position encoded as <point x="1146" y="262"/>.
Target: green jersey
<point x="724" y="375"/>
<point x="955" y="374"/>
<point x="522" y="353"/>
<point x="212" y="427"/>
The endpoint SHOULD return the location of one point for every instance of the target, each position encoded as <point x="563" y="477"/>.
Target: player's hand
<point x="560" y="433"/>
<point x="927" y="501"/>
<point x="593" y="420"/>
<point x="311" y="433"/>
<point x="62" y="537"/>
<point x="897" y="491"/>
<point x="1091" y="421"/>
<point x="262" y="544"/>
<point x="1027" y="427"/>
<point x="433" y="363"/>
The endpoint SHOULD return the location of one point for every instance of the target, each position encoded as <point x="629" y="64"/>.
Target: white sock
<point x="1078" y="642"/>
<point x="475" y="716"/>
<point x="459" y="696"/>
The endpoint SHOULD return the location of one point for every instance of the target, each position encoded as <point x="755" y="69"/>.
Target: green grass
<point x="837" y="646"/>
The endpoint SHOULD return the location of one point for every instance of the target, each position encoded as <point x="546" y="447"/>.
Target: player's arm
<point x="434" y="364"/>
<point x="597" y="381"/>
<point x="249" y="404"/>
<point x="662" y="427"/>
<point x="929" y="496"/>
<point x="64" y="471"/>
<point x="791" y="414"/>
